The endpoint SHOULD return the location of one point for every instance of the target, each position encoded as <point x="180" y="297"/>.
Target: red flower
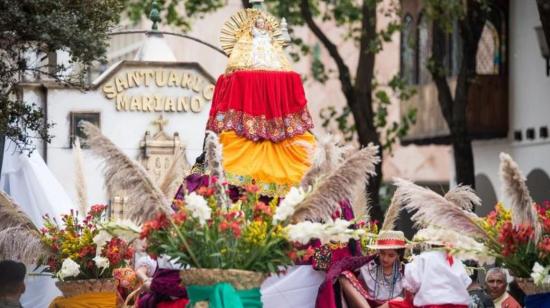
<point x="492" y="218"/>
<point x="179" y="217"/>
<point x="544" y="246"/>
<point x="205" y="191"/>
<point x="97" y="209"/>
<point x="236" y="229"/>
<point x="117" y="251"/>
<point x="309" y="253"/>
<point x="156" y="224"/>
<point x="251" y="188"/>
<point x="293" y="255"/>
<point x="262" y="208"/>
<point x="224" y="226"/>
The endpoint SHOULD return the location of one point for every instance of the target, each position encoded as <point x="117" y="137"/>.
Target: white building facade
<point x="529" y="108"/>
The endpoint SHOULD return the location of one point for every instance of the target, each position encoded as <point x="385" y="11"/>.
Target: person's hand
<point x="147" y="284"/>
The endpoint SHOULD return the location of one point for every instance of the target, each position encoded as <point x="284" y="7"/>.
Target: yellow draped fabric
<point x="88" y="300"/>
<point x="275" y="167"/>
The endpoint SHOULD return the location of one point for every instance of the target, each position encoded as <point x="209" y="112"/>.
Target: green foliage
<point x="41" y="27"/>
<point x="397" y="89"/>
<point x="244" y="236"/>
<point x="179" y="13"/>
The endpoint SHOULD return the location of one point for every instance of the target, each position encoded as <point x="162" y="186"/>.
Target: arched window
<point x="538" y="182"/>
<point x="487" y="193"/>
<point x="424" y="50"/>
<point x="407" y="53"/>
<point x="491" y="50"/>
<point x="488" y="58"/>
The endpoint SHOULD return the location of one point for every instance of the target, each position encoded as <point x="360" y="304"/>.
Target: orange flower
<point x="179" y="217"/>
<point x="309" y="253"/>
<point x="251" y="188"/>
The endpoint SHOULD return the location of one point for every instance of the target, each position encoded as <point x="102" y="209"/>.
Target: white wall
<point x="125" y="128"/>
<point x="529" y="93"/>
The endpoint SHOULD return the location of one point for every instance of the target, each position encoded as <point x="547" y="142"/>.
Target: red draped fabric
<point x="260" y="105"/>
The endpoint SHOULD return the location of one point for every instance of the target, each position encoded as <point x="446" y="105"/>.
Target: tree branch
<point x="365" y="69"/>
<point x="439" y="77"/>
<point x="343" y="70"/>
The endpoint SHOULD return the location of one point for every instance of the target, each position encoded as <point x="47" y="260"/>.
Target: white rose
<point x="101" y="262"/>
<point x="198" y="207"/>
<point x="69" y="268"/>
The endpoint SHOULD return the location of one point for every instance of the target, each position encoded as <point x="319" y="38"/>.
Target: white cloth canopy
<point x="298" y="287"/>
<point x="35" y="189"/>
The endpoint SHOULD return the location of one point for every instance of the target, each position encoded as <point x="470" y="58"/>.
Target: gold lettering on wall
<point x="199" y="91"/>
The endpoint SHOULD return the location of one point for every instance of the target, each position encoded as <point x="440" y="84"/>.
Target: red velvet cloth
<point x="260" y="105"/>
<point x="326" y="298"/>
<point x="445" y="306"/>
<point x="177" y="303"/>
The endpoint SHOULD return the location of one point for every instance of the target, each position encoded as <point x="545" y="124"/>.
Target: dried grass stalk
<point x="145" y="199"/>
<point x="433" y="209"/>
<point x="515" y="188"/>
<point x="463" y="196"/>
<point x="80" y="179"/>
<point x="340" y="184"/>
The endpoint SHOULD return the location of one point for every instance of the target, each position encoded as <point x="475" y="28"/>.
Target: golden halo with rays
<point x="241" y="23"/>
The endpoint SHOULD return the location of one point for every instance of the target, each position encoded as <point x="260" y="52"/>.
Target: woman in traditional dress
<point x="379" y="281"/>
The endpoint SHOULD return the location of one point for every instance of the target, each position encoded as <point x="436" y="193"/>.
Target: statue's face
<point x="260" y="23"/>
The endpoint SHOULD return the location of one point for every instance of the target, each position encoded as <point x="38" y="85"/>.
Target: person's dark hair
<point x="400" y="255"/>
<point x="12" y="275"/>
<point x="475" y="272"/>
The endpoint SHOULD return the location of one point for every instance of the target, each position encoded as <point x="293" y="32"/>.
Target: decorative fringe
<point x="80" y="179"/>
<point x="341" y="183"/>
<point x="515" y="188"/>
<point x="463" y="196"/>
<point x="213" y="150"/>
<point x="144" y="198"/>
<point x="432" y="209"/>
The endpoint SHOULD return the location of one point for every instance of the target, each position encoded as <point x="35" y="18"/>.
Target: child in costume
<point x="436" y="279"/>
<point x="379" y="281"/>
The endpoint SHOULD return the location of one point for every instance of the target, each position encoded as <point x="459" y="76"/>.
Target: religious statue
<point x="259" y="107"/>
<point x="254" y="41"/>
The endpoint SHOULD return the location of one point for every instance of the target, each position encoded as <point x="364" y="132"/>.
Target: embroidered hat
<point x="389" y="239"/>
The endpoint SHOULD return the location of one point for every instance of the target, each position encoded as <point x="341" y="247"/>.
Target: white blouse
<point x="435" y="281"/>
<point x="388" y="287"/>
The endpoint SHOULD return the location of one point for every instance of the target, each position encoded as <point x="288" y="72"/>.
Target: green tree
<point x="366" y="101"/>
<point x="40" y="28"/>
<point x="471" y="16"/>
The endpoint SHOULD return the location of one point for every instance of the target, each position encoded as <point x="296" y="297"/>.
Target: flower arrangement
<point x="252" y="233"/>
<point x="516" y="246"/>
<point x="248" y="234"/>
<point x="79" y="250"/>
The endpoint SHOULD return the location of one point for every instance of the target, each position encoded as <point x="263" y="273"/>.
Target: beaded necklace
<point x="381" y="279"/>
